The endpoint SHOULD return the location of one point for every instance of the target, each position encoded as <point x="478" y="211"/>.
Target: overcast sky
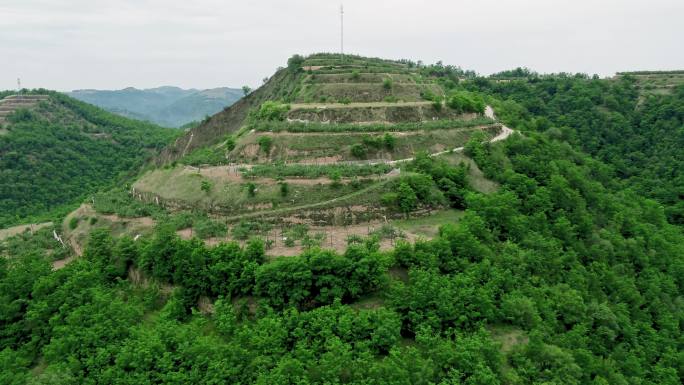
<point x="73" y="44"/>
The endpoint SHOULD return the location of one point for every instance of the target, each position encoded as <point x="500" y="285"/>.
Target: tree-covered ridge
<point x="55" y="153"/>
<point x="641" y="137"/>
<point x="587" y="275"/>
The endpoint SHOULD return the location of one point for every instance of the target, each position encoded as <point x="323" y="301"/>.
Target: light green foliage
<point x="463" y="101"/>
<point x="272" y="111"/>
<point x="387" y="83"/>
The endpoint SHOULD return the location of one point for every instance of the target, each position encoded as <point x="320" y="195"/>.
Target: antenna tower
<point x="18" y="85"/>
<point x="341" y="32"/>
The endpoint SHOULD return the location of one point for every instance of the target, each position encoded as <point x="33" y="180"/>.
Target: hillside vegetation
<point x="60" y="149"/>
<point x="369" y="116"/>
<point x="535" y="258"/>
<point x="638" y="133"/>
<point x="165" y="106"/>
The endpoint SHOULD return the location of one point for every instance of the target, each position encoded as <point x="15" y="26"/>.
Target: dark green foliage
<point x="640" y="139"/>
<point x="284" y="189"/>
<point x="73" y="223"/>
<point x="65" y="149"/>
<point x="265" y="143"/>
<point x="358" y="150"/>
<point x="294" y="63"/>
<point x="251" y="189"/>
<point x="561" y="276"/>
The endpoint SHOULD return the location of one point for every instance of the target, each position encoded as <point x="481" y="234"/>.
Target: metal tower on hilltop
<point x="341" y="32"/>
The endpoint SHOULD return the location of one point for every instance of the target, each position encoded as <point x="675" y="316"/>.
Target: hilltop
<point x="166" y="106"/>
<point x="55" y="149"/>
<point x="325" y="146"/>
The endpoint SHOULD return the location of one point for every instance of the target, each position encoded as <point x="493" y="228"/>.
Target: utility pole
<point x="342" y="32"/>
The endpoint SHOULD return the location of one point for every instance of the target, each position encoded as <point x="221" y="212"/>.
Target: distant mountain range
<point x="167" y="106"/>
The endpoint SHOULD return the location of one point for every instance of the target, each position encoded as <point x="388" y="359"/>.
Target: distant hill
<point x="166" y="106"/>
<point x="55" y="149"/>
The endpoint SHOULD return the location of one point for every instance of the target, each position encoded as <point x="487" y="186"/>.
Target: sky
<point x="76" y="44"/>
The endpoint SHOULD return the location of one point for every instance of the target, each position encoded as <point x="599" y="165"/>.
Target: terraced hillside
<point x="656" y="82"/>
<point x="11" y="103"/>
<point x="324" y="145"/>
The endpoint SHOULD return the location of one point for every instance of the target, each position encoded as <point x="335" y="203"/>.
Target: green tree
<point x="406" y="198"/>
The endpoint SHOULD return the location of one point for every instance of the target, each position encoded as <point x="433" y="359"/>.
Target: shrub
<point x="406" y="198"/>
<point x="265" y="143"/>
<point x="387" y="83"/>
<point x="389" y="141"/>
<point x="358" y="151"/>
<point x="272" y="111"/>
<point x="206" y="186"/>
<point x="294" y="63"/>
<point x="355" y="75"/>
<point x="284" y="189"/>
<point x="389" y="199"/>
<point x="251" y="189"/>
<point x="437" y="105"/>
<point x="335" y="177"/>
<point x="345" y="100"/>
<point x="207" y="228"/>
<point x="230" y="143"/>
<point x="462" y="101"/>
<point x="73" y="223"/>
<point x="372" y="141"/>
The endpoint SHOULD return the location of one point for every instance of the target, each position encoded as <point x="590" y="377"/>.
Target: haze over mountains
<point x="167" y="106"/>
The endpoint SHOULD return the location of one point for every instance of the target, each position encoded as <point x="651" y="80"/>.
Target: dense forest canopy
<point x="571" y="272"/>
<point x="55" y="153"/>
<point x="641" y="137"/>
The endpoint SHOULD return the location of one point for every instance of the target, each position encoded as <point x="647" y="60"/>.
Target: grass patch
<point x="428" y="225"/>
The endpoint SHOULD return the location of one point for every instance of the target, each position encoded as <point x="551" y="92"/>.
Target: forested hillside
<point x="560" y="261"/>
<point x="560" y="277"/>
<point x="639" y="133"/>
<point x="61" y="149"/>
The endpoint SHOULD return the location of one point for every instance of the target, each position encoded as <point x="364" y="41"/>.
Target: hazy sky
<point x="71" y="44"/>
